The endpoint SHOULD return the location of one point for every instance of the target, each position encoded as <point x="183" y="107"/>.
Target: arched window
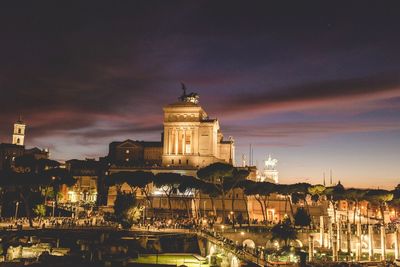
<point x="19" y="130"/>
<point x="18" y="140"/>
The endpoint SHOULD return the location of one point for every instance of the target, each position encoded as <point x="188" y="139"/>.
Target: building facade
<point x="10" y="151"/>
<point x="191" y="138"/>
<point x="135" y="153"/>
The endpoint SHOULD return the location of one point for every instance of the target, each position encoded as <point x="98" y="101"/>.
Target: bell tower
<point x="19" y="132"/>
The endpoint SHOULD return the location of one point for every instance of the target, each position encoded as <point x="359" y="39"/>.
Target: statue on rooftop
<point x="190" y="98"/>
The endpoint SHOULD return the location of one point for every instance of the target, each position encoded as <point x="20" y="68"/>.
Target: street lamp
<point x="233" y="219"/>
<point x="54" y="206"/>
<point x="16" y="209"/>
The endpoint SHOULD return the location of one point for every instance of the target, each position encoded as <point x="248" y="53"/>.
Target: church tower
<point x="19" y="133"/>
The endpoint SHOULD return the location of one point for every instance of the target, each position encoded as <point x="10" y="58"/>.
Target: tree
<point x="316" y="191"/>
<point x="219" y="175"/>
<point x="211" y="191"/>
<point x="58" y="177"/>
<point x="261" y="192"/>
<point x="142" y="180"/>
<point x="137" y="180"/>
<point x="168" y="182"/>
<point x="225" y="178"/>
<point x="302" y="218"/>
<point x="29" y="175"/>
<point x="284" y="231"/>
<point x="232" y="183"/>
<point x="26" y="186"/>
<point x="126" y="209"/>
<point x="40" y="210"/>
<point x="246" y="186"/>
<point x="187" y="187"/>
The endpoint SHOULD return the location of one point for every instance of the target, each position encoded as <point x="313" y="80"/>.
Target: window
<point x="172" y="162"/>
<point x="19" y="130"/>
<point x="180" y="162"/>
<point x="18" y="140"/>
<point x="187" y="162"/>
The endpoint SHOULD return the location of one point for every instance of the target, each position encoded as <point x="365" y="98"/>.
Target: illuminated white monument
<point x="191" y="138"/>
<point x="270" y="172"/>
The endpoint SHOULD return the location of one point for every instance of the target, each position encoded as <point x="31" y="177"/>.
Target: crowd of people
<point x="54" y="222"/>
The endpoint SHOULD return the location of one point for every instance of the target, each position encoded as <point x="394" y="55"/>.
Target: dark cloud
<point x="311" y="95"/>
<point x="92" y="72"/>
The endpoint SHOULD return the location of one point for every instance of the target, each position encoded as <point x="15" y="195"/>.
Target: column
<point x="329" y="243"/>
<point x="396" y="243"/>
<point x="339" y="235"/>
<point x="334" y="243"/>
<point x="191" y="142"/>
<point x="370" y="242"/>
<point x="311" y="248"/>
<point x="183" y="141"/>
<point x="176" y="141"/>
<point x="348" y="236"/>
<point x="169" y="138"/>
<point x="359" y="246"/>
<point x="383" y="242"/>
<point x="321" y="231"/>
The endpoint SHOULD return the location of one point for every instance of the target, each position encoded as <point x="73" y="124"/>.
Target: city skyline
<point x="315" y="86"/>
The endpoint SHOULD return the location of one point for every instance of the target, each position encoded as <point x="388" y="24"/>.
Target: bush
<point x="126" y="210"/>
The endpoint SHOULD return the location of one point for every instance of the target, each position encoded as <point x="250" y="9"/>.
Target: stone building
<point x="87" y="174"/>
<point x="135" y="153"/>
<point x="191" y="138"/>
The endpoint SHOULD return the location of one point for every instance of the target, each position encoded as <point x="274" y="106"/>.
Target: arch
<point x="249" y="243"/>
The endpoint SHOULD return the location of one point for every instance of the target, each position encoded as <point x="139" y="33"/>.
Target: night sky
<point x="314" y="84"/>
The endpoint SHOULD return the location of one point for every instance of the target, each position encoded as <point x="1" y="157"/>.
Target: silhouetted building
<point x="135" y="153"/>
<point x="10" y="151"/>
